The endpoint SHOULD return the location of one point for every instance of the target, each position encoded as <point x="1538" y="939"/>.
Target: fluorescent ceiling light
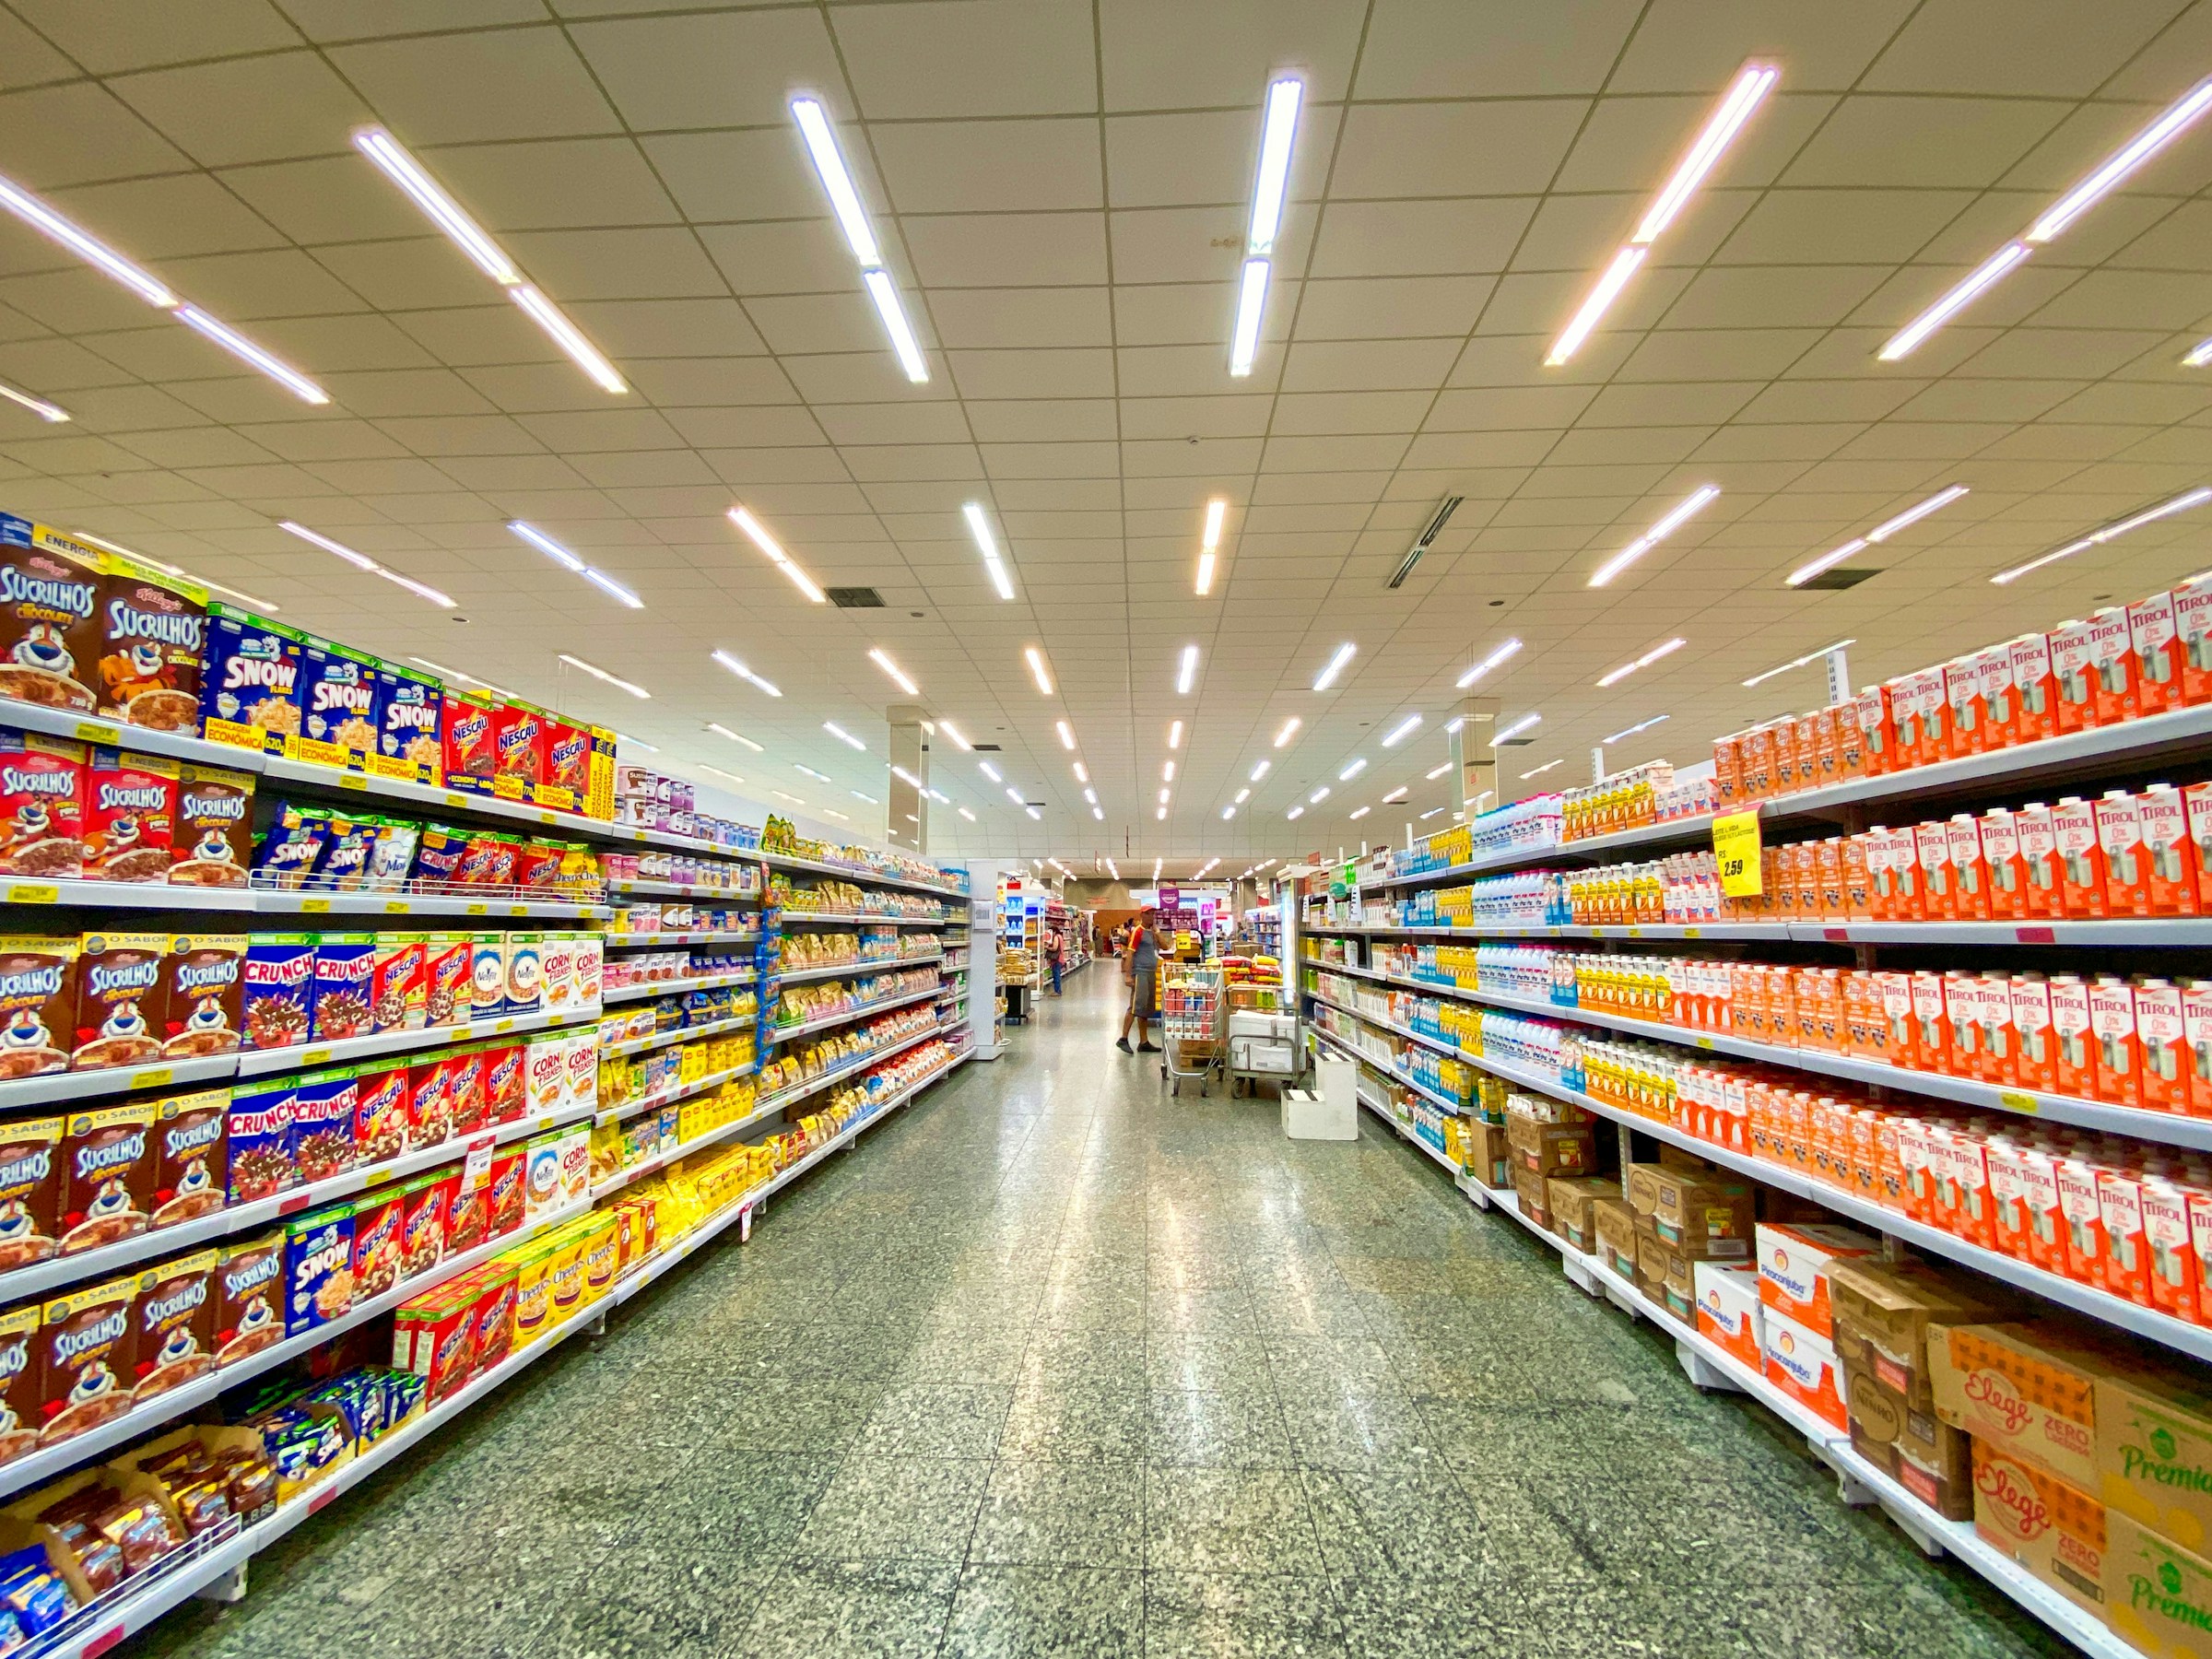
<point x="1599" y="301"/>
<point x="37" y="406"/>
<point x="1289" y="730"/>
<point x="1277" y="137"/>
<point x="907" y="778"/>
<point x="1880" y="533"/>
<point x="565" y="334"/>
<point x="458" y="677"/>
<point x="1099" y="813"/>
<point x="989" y="771"/>
<point x="833" y="812"/>
<point x="1211" y="543"/>
<point x="844" y="737"/>
<point x="361" y="562"/>
<point x="1261" y="771"/>
<point x="1082" y="772"/>
<point x="1453" y="724"/>
<point x="637" y="743"/>
<point x="238" y="347"/>
<point x="1403" y="730"/>
<point x="2169" y="125"/>
<point x="1167" y="771"/>
<point x="444" y="212"/>
<point x="743" y="673"/>
<point x="1362" y="812"/>
<point x="1645" y="660"/>
<point x="859" y="796"/>
<point x="1186" y="674"/>
<point x="1160" y="813"/>
<point x="818" y="777"/>
<point x="1227" y="813"/>
<point x="1156" y="864"/>
<point x="1205" y="584"/>
<point x="1504" y="653"/>
<point x="1430" y="813"/>
<point x="953" y="731"/>
<point x="938" y="795"/>
<point x="1810" y="657"/>
<point x="844" y="201"/>
<point x="1334" y="666"/>
<point x="1641" y="725"/>
<point x="1514" y="730"/>
<point x="598" y="673"/>
<point x="965" y="813"/>
<point x="40" y="217"/>
<point x="1539" y="771"/>
<point x="720" y="730"/>
<point x="1906" y="339"/>
<point x="1295" y="812"/>
<point x="567" y="560"/>
<point x="1252" y="300"/>
<point x="1175" y="734"/>
<point x="893" y="314"/>
<point x="2181" y="503"/>
<point x="1092" y="796"/>
<point x="1066" y="732"/>
<point x="782" y="795"/>
<point x="882" y="660"/>
<point x="1163" y="797"/>
<point x="1014" y="795"/>
<point x="1319" y="795"/>
<point x="1038" y="671"/>
<point x="1396" y="794"/>
<point x="716" y="770"/>
<point x="980" y="527"/>
<point x="1434" y="773"/>
<point x="1358" y="766"/>
<point x="768" y="543"/>
<point x="1243" y="795"/>
<point x="1676" y="516"/>
<point x="2199" y="355"/>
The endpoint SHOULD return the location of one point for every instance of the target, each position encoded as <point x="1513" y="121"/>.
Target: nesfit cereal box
<point x="338" y="707"/>
<point x="130" y="816"/>
<point x="250" y="690"/>
<point x="49" y="620"/>
<point x="41" y="805"/>
<point x="153" y="636"/>
<point x="408" y="745"/>
<point x="211" y="842"/>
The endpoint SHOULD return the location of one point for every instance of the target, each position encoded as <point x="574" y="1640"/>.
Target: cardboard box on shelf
<point x="2156" y="1594"/>
<point x="1531" y="1190"/>
<point x="1882" y="1312"/>
<point x="1616" y="1225"/>
<point x="1651" y="1268"/>
<point x="1706" y="1215"/>
<point x="1484" y="1152"/>
<point x="1728" y="1311"/>
<point x="2154" y="1452"/>
<point x="1802" y="1363"/>
<point x="1927" y="1456"/>
<point x="1680" y="1285"/>
<point x="2052" y="1529"/>
<point x="1793" y="1267"/>
<point x="1573" y="1205"/>
<point x="2026" y="1391"/>
<point x="1549" y="1149"/>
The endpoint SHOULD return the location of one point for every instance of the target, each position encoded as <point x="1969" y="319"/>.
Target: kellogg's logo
<point x="2010" y="1491"/>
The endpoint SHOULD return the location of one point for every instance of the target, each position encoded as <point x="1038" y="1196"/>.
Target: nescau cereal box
<point x="250" y="687"/>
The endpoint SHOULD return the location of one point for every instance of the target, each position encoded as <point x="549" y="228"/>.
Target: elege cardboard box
<point x="2024" y="1390"/>
<point x="2052" y="1529"/>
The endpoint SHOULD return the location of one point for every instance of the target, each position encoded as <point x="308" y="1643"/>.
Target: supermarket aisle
<point x="1053" y="1365"/>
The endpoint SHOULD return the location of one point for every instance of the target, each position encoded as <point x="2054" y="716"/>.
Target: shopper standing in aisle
<point x="1140" y="968"/>
<point x="1055" y="947"/>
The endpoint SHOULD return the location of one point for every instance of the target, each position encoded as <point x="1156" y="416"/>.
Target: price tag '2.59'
<point x="1736" y="848"/>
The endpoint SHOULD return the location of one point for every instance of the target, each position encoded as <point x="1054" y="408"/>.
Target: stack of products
<point x="654" y="801"/>
<point x="806" y="1004"/>
<point x="835" y="1051"/>
<point x="676" y="917"/>
<point x="73" y="811"/>
<point x="1631" y="800"/>
<point x="656" y="966"/>
<point x="630" y="1083"/>
<point x="683" y="1011"/>
<point x="1016" y="966"/>
<point x="684" y="869"/>
<point x="782" y="836"/>
<point x="313" y="849"/>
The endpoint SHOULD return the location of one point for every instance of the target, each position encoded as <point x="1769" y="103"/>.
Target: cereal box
<point x="425" y="1200"/>
<point x="492" y="1315"/>
<point x="431" y="1101"/>
<point x="211" y="837"/>
<point x="376" y="1243"/>
<point x="470" y="760"/>
<point x="130" y="813"/>
<point x="31" y="1191"/>
<point x="518" y="739"/>
<point x="153" y="640"/>
<point x="107" y="1176"/>
<point x="505" y="1188"/>
<point x="382" y="1117"/>
<point x="49" y="621"/>
<point x="325" y="1106"/>
<point x="398" y="991"/>
<point x="409" y="744"/>
<point x="464" y="1083"/>
<point x="41" y="805"/>
<point x="343" y="973"/>
<point x="279" y="989"/>
<point x="448" y="964"/>
<point x="88" y="1350"/>
<point x="192" y="1164"/>
<point x="176" y="1326"/>
<point x="203" y="990"/>
<point x="567" y="782"/>
<point x="259" y="1134"/>
<point x="525" y="986"/>
<point x="119" y="1013"/>
<point x="433" y="1336"/>
<point x="338" y="713"/>
<point x="487" y="976"/>
<point x="249" y="1292"/>
<point x="250" y="689"/>
<point x="506" y="1092"/>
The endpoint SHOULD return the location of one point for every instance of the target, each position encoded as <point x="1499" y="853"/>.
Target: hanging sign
<point x="1736" y="848"/>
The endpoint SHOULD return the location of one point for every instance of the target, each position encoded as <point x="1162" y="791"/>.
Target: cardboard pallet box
<point x="2028" y="1392"/>
<point x="1483" y="1152"/>
<point x="1651" y="1268"/>
<point x="2053" y="1530"/>
<point x="1549" y="1149"/>
<point x="1616" y="1225"/>
<point x="2154" y="1452"/>
<point x="2156" y="1594"/>
<point x="1533" y="1192"/>
<point x="1708" y="1217"/>
<point x="1728" y="1311"/>
<point x="1574" y="1200"/>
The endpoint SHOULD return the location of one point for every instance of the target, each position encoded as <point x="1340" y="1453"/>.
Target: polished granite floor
<point x="1054" y="1364"/>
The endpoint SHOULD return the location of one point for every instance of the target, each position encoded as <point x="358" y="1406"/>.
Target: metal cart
<point x="1191" y="1026"/>
<point x="1262" y="1046"/>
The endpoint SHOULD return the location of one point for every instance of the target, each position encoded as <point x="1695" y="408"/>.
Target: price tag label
<point x="1693" y="933"/>
<point x="92" y="732"/>
<point x="475" y="1168"/>
<point x="397" y="907"/>
<point x="33" y="892"/>
<point x="314" y="906"/>
<point x="455" y="800"/>
<point x="2013" y="1100"/>
<point x="1736" y="848"/>
<point x="314" y="1056"/>
<point x="548" y="817"/>
<point x="478" y="909"/>
<point x="376" y="1177"/>
<point x="1705" y="1043"/>
<point x="352" y="781"/>
<point x="154" y="1078"/>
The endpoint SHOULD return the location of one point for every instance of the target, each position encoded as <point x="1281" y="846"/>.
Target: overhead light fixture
<point x="1034" y="813"/>
<point x="860" y="795"/>
<point x="1452" y="726"/>
<point x="844" y="737"/>
<point x="782" y="795"/>
<point x="2199" y="355"/>
<point x="1540" y="770"/>
<point x="45" y="411"/>
<point x="1434" y="773"/>
<point x="1744" y="94"/>
<point x="1645" y="660"/>
<point x="1641" y="725"/>
<point x="1318" y="796"/>
<point x="615" y="680"/>
<point x="1398" y="793"/>
<point x="743" y="673"/>
<point x="980" y="527"/>
<point x="1243" y="795"/>
<point x="760" y="539"/>
<point x="1262" y="769"/>
<point x="1909" y="337"/>
<point x="721" y="731"/>
<point x="1676" y="516"/>
<point x="1358" y="766"/>
<point x="715" y="771"/>
<point x="909" y="779"/>
<point x="2181" y="503"/>
<point x="1504" y="654"/>
<point x="818" y="777"/>
<point x="1361" y="813"/>
<point x="1880" y="533"/>
<point x="1175" y="734"/>
<point x="899" y="677"/>
<point x="834" y="813"/>
<point x="1163" y="797"/>
<point x="1507" y="734"/>
<point x="426" y="193"/>
<point x="568" y="561"/>
<point x="1066" y="733"/>
<point x="1167" y="772"/>
<point x="238" y="347"/>
<point x="1090" y="797"/>
<point x="1276" y="136"/>
<point x="844" y="201"/>
<point x="1186" y="674"/>
<point x="1038" y="671"/>
<point x="1227" y="813"/>
<point x="1810" y="657"/>
<point x="1288" y="731"/>
<point x="639" y="743"/>
<point x="1099" y="813"/>
<point x="965" y="813"/>
<point x="458" y="677"/>
<point x="1334" y="666"/>
<point x="989" y="771"/>
<point x="938" y="795"/>
<point x="363" y="562"/>
<point x="1403" y="730"/>
<point x="1210" y="544"/>
<point x="1430" y="813"/>
<point x="1015" y="796"/>
<point x="1437" y="521"/>
<point x="1156" y="865"/>
<point x="953" y="731"/>
<point x="1296" y="812"/>
<point x="1082" y="772"/>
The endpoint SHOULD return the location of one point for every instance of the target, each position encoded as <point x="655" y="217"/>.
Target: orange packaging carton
<point x="2000" y="1037"/>
<point x="2166" y="852"/>
<point x="1870" y="713"/>
<point x="2176" y="1278"/>
<point x="2200" y="1247"/>
<point x="2034" y="1061"/>
<point x="2052" y="1530"/>
<point x="1755" y="763"/>
<point x="1858" y="886"/>
<point x="2126" y="1250"/>
<point x="1851" y="742"/>
<point x="2034" y="687"/>
<point x="1964" y="712"/>
<point x="1793" y="1268"/>
<point x="2162" y="1046"/>
<point x="2157" y="647"/>
<point x="2126" y="868"/>
<point x="1783" y="736"/>
<point x="2073" y="679"/>
<point x="1881" y="880"/>
<point x="1865" y="1034"/>
<point x="2000" y="705"/>
<point x="1908" y="902"/>
<point x="1970" y="869"/>
<point x="2043" y="885"/>
<point x="1962" y="1024"/>
<point x="1999" y="832"/>
<point x="1901" y="1030"/>
<point x="2027" y="1392"/>
<point x="1727" y="770"/>
<point x="2073" y="1045"/>
<point x="2112" y="662"/>
<point x="2113" y="1043"/>
<point x="2192" y="629"/>
<point x="2196" y="808"/>
<point x="1917" y="701"/>
<point x="1729" y="1312"/>
<point x="2043" y="1215"/>
<point x="1931" y="1030"/>
<point x="2081" y="880"/>
<point x="1801" y="1362"/>
<point x="2196" y="1037"/>
<point x="2082" y="1206"/>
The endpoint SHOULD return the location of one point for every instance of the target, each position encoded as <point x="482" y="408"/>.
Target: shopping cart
<point x="1191" y="1026"/>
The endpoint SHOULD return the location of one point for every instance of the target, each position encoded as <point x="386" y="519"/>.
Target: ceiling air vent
<point x="854" y="598"/>
<point x="1513" y="742"/>
<point x="1436" y="528"/>
<point x="986" y="748"/>
<point x="1835" y="581"/>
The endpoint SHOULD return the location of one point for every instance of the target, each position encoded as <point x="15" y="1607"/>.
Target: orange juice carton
<point x="2027" y="1392"/>
<point x="1964" y="712"/>
<point x="1938" y="885"/>
<point x="2126" y="868"/>
<point x="2083" y="1207"/>
<point x="1969" y="868"/>
<point x="2073" y="679"/>
<point x="1858" y="886"/>
<point x="2166" y="852"/>
<point x="2113" y="1042"/>
<point x="1931" y="1030"/>
<point x="2162" y="1047"/>
<point x="2073" y="1044"/>
<point x="1729" y="1312"/>
<point x="2045" y="893"/>
<point x="1801" y="1362"/>
<point x="2051" y="1530"/>
<point x="1851" y="741"/>
<point x="2156" y="644"/>
<point x="2000" y="836"/>
<point x="1727" y="771"/>
<point x="1900" y="1029"/>
<point x="2193" y="630"/>
<point x="1962" y="1024"/>
<point x="2197" y="1037"/>
<point x="2081" y="884"/>
<point x="2113" y="659"/>
<point x="1870" y="713"/>
<point x="2033" y="1050"/>
<point x="2175" y="1282"/>
<point x="2000" y="1038"/>
<point x="1793" y="1268"/>
<point x="2000" y="702"/>
<point x="2127" y="1252"/>
<point x="2034" y="687"/>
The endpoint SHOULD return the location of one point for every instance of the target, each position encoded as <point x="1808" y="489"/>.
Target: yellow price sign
<point x="34" y="892"/>
<point x="314" y="906"/>
<point x="1736" y="847"/>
